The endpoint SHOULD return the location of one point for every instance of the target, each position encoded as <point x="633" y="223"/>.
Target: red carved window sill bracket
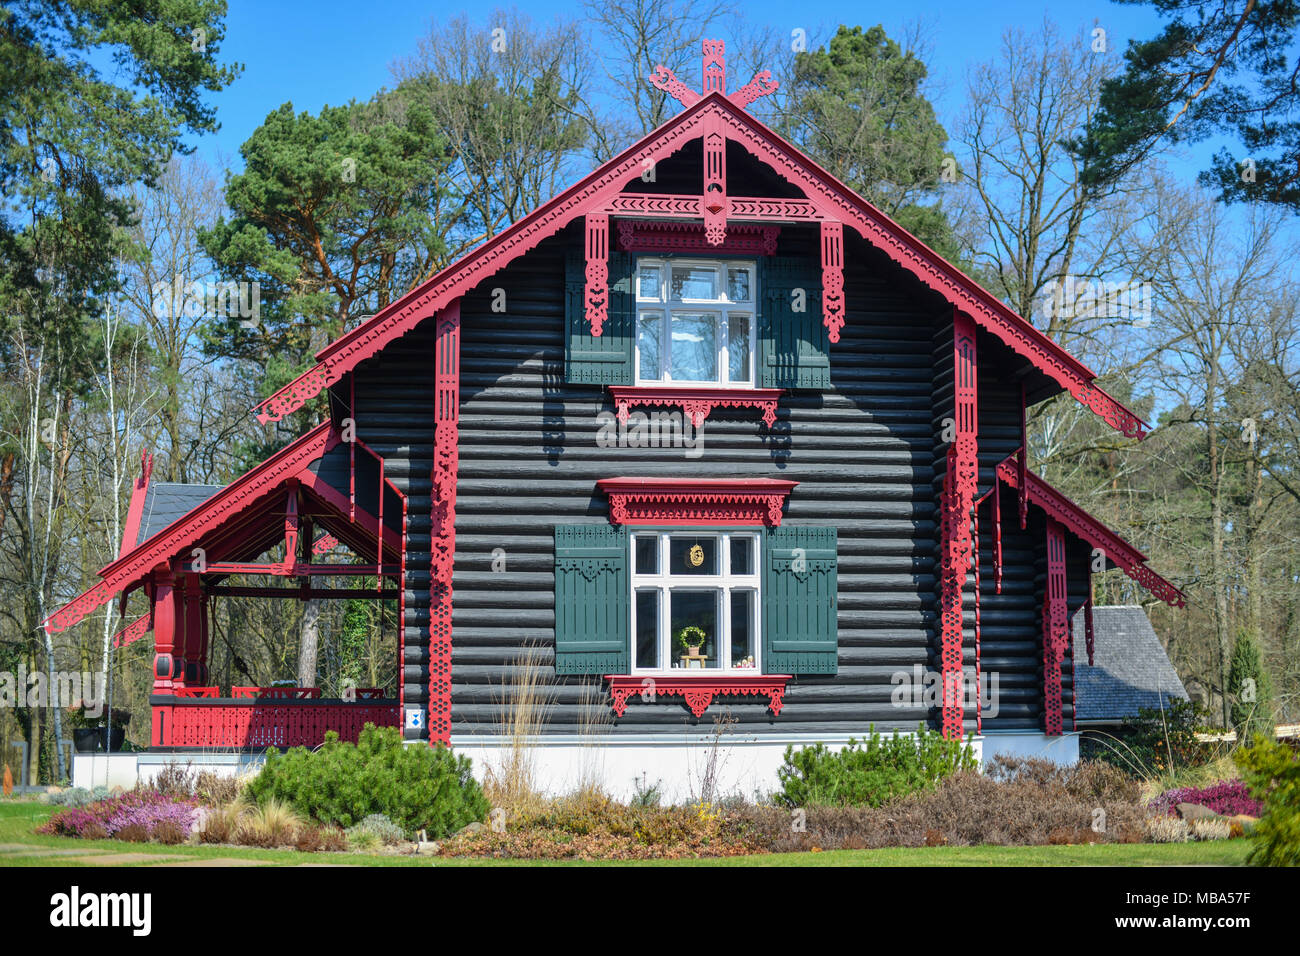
<point x="698" y="690"/>
<point x="696" y="403"/>
<point x="694" y="502"/>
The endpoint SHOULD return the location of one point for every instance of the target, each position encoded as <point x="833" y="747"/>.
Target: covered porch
<point x="319" y="512"/>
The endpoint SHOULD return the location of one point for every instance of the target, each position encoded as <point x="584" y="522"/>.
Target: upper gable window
<point x="695" y="322"/>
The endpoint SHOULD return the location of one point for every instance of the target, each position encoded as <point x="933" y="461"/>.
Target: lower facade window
<point x="696" y="601"/>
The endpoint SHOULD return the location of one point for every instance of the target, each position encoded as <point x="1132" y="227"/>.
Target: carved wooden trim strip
<point x="696" y="403"/>
<point x="596" y="290"/>
<point x="446" y="467"/>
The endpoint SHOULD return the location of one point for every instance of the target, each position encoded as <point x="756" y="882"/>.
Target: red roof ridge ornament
<point x="715" y="80"/>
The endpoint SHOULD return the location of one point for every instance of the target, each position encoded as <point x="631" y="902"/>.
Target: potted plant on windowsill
<point x="690" y="640"/>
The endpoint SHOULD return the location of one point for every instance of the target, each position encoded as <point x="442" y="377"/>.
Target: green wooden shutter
<point x="605" y="359"/>
<point x="592" y="600"/>
<point x="794" y="345"/>
<point x="800" y="634"/>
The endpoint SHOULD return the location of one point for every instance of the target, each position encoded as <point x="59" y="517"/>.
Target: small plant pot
<point x="88" y="740"/>
<point x="116" y="737"/>
<point x="693" y="650"/>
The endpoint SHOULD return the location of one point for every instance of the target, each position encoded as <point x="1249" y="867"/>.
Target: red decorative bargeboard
<point x="696" y="403"/>
<point x="197" y="720"/>
<point x="698" y="690"/>
<point x="697" y="502"/>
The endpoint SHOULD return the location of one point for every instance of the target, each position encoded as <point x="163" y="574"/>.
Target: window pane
<point x="648" y="279"/>
<point x="738" y="285"/>
<point x="738" y="348"/>
<point x="647" y="346"/>
<point x="647" y="628"/>
<point x="742" y="629"/>
<point x="695" y="609"/>
<point x="692" y="555"/>
<point x="694" y="282"/>
<point x="694" y="347"/>
<point x="647" y="554"/>
<point x="742" y="555"/>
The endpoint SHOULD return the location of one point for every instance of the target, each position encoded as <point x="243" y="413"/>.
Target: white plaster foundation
<point x="744" y="765"/>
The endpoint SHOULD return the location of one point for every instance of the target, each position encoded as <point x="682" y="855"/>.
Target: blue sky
<point x="330" y="51"/>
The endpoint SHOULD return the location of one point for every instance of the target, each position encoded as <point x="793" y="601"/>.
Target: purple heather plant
<point x="1226" y="798"/>
<point x="142" y="807"/>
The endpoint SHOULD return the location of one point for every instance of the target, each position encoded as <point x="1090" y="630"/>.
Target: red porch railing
<point x="254" y="718"/>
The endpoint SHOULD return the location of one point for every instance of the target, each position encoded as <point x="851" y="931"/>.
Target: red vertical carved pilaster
<point x="713" y="201"/>
<point x="1055" y="627"/>
<point x="1022" y="461"/>
<point x="997" y="534"/>
<point x="959" y="484"/>
<point x="446" y="461"/>
<point x="833" y="278"/>
<point x="597" y="271"/>
<point x="975" y="533"/>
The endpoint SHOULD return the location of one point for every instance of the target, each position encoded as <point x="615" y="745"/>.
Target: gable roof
<point x="1130" y="668"/>
<point x="166" y="501"/>
<point x="828" y="200"/>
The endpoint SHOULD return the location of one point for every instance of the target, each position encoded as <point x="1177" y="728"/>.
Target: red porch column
<point x="195" y="625"/>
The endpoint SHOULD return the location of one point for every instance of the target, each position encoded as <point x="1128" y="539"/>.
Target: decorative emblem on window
<point x="697" y="556"/>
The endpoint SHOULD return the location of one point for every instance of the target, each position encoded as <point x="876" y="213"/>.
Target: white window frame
<point x="725" y="581"/>
<point x="722" y="307"/>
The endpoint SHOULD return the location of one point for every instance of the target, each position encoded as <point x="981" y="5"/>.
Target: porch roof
<point x="242" y="520"/>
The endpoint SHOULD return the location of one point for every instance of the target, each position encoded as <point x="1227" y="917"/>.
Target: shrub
<point x="380" y="827"/>
<point x="78" y="796"/>
<point x="1272" y="774"/>
<point x="873" y="774"/>
<point x="272" y="823"/>
<point x="216" y="790"/>
<point x="169" y="832"/>
<point x="1167" y="830"/>
<point x="174" y="780"/>
<point x="133" y="833"/>
<point x="333" y="840"/>
<point x="1210" y="829"/>
<point x="220" y="825"/>
<point x="418" y="787"/>
<point x="1156" y="741"/>
<point x="1226" y="798"/>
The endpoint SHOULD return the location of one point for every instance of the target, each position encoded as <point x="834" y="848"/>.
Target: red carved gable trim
<point x="598" y="193"/>
<point x="695" y="502"/>
<point x="1057" y="506"/>
<point x="635" y="235"/>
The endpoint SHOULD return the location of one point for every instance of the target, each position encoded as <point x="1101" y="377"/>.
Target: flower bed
<point x="1226" y="798"/>
<point x="134" y="811"/>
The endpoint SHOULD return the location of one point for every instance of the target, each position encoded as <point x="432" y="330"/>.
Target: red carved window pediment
<point x="687" y="502"/>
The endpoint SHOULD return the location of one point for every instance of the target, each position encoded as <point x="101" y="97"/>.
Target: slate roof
<point x="165" y="501"/>
<point x="1130" y="669"/>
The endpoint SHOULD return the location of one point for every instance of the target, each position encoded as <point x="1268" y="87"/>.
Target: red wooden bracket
<point x="696" y="502"/>
<point x="1088" y="635"/>
<point x="696" y="403"/>
<point x="324" y="544"/>
<point x="698" y="691"/>
<point x="715" y="67"/>
<point x="133" y="631"/>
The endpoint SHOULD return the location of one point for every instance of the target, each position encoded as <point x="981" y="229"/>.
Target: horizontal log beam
<point x="301" y="594"/>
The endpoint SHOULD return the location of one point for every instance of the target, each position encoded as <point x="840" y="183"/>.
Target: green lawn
<point x="18" y="820"/>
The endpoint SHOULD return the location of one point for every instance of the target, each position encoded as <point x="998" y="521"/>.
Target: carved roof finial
<point x="715" y="80"/>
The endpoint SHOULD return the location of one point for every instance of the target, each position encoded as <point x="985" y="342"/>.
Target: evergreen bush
<point x="873" y="773"/>
<point x="417" y="787"/>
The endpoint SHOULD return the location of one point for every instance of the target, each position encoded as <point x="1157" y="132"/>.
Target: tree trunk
<point x="309" y="639"/>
